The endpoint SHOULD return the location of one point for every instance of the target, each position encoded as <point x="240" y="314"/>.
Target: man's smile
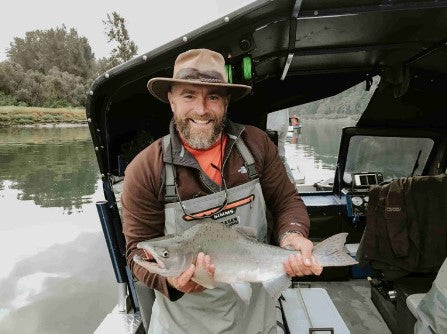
<point x="200" y="121"/>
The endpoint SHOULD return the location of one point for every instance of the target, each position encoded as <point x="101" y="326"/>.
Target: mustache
<point x="201" y="118"/>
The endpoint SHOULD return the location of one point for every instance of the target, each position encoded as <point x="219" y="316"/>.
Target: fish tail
<point x="331" y="253"/>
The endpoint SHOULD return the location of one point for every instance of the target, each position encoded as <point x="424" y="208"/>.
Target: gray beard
<point x="200" y="140"/>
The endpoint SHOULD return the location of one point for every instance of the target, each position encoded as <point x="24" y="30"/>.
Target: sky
<point x="150" y="23"/>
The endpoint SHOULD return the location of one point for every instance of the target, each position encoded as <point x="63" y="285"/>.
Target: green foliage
<point x="29" y="87"/>
<point x="351" y="102"/>
<point x="7" y="100"/>
<point x="41" y="50"/>
<point x="116" y="32"/>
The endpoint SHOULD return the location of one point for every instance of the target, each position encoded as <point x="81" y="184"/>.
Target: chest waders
<point x="218" y="310"/>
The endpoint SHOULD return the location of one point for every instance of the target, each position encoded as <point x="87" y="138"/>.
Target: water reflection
<point x="55" y="272"/>
<point x="315" y="151"/>
<point x="53" y="167"/>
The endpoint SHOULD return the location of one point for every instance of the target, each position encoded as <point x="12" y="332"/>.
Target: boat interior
<point x="293" y="53"/>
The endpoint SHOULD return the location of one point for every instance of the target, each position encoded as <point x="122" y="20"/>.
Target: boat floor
<point x="353" y="301"/>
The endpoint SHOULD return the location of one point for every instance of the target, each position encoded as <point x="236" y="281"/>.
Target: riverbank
<point x="332" y="116"/>
<point x="29" y="116"/>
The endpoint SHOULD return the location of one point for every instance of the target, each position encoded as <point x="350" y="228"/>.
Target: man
<point x="204" y="163"/>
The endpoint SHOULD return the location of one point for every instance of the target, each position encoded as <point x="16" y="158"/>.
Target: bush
<point x="54" y="90"/>
<point x="7" y="100"/>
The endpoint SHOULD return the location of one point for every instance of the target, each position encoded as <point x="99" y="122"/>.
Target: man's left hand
<point x="303" y="263"/>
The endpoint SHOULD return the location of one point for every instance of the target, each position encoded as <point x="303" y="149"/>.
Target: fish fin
<point x="243" y="290"/>
<point x="331" y="253"/>
<point x="277" y="285"/>
<point x="202" y="277"/>
<point x="249" y="232"/>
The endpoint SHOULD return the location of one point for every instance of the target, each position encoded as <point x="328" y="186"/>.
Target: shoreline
<point x="50" y="125"/>
<point x="332" y="117"/>
<point x="16" y="116"/>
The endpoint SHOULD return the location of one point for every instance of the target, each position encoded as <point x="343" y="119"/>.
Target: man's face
<point x="199" y="113"/>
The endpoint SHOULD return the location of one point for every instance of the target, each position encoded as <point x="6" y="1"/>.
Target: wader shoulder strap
<point x="170" y="191"/>
<point x="248" y="158"/>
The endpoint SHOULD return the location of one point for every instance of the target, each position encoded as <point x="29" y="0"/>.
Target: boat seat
<point x="413" y="302"/>
<point x="431" y="310"/>
<point x="311" y="310"/>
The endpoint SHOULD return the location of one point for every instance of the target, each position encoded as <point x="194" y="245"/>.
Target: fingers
<point x="205" y="262"/>
<point x="288" y="267"/>
<point x="184" y="283"/>
<point x="186" y="276"/>
<point x="294" y="266"/>
<point x="316" y="268"/>
<point x="306" y="252"/>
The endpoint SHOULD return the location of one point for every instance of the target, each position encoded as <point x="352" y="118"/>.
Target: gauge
<point x="366" y="199"/>
<point x="356" y="201"/>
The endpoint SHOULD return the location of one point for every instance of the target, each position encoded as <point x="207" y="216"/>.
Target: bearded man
<point x="204" y="163"/>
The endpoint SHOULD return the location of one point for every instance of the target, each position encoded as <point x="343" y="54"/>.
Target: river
<point x="55" y="274"/>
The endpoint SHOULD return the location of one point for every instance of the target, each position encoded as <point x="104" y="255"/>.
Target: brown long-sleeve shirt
<point x="143" y="194"/>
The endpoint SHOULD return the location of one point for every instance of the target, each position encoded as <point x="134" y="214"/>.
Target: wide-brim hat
<point x="197" y="67"/>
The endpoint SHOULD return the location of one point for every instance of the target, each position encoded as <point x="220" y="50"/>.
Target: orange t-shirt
<point x="213" y="155"/>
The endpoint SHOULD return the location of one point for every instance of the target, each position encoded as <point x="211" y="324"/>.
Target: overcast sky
<point x="150" y="23"/>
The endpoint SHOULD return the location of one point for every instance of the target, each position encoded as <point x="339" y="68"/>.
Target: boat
<point x="292" y="53"/>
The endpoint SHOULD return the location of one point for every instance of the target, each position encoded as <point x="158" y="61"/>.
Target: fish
<point x="239" y="258"/>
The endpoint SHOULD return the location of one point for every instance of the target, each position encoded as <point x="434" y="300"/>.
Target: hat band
<point x="195" y="75"/>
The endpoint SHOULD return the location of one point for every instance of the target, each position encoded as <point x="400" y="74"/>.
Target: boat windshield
<point x="394" y="157"/>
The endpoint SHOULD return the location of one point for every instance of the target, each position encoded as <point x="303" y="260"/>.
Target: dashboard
<point x="357" y="197"/>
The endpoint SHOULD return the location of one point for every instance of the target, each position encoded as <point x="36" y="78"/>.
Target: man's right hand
<point x="184" y="283"/>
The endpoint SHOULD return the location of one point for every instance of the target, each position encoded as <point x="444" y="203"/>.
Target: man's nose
<point x="201" y="107"/>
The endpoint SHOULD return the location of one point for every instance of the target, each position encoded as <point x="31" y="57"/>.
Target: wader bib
<point x="218" y="310"/>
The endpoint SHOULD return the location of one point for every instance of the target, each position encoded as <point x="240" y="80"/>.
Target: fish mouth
<point x="151" y="259"/>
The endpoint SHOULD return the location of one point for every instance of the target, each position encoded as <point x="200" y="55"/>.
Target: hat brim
<point x="159" y="87"/>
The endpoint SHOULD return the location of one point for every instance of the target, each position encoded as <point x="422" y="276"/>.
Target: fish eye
<point x="165" y="253"/>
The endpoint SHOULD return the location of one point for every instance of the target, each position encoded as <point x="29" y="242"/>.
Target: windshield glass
<point x="394" y="157"/>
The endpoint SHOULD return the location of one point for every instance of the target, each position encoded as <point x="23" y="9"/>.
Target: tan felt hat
<point x="198" y="67"/>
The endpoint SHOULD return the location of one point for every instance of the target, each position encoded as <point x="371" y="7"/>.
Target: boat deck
<point x="353" y="301"/>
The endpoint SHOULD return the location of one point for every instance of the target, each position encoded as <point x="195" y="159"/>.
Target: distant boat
<point x="324" y="185"/>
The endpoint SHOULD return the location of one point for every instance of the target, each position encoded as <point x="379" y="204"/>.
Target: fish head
<point x="166" y="256"/>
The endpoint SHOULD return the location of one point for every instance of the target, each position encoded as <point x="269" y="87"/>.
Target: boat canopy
<point x="291" y="53"/>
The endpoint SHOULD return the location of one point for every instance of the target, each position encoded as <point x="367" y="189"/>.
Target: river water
<point x="55" y="273"/>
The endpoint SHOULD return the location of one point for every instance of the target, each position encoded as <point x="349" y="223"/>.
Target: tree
<point x="116" y="32"/>
<point x="41" y="50"/>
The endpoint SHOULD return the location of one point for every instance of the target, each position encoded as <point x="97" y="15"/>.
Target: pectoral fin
<point x="202" y="277"/>
<point x="243" y="290"/>
<point x="277" y="285"/>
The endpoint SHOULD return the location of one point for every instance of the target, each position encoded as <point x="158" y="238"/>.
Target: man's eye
<point x="214" y="97"/>
<point x="188" y="97"/>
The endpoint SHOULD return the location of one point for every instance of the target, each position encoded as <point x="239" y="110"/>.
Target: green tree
<point x="116" y="32"/>
<point x="41" y="50"/>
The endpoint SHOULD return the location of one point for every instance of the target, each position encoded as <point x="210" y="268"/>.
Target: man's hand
<point x="300" y="264"/>
<point x="184" y="283"/>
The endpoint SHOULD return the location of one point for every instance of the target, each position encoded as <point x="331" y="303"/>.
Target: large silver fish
<point x="237" y="256"/>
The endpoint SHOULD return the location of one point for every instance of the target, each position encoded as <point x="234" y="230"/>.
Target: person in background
<point x="189" y="176"/>
<point x="279" y="121"/>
